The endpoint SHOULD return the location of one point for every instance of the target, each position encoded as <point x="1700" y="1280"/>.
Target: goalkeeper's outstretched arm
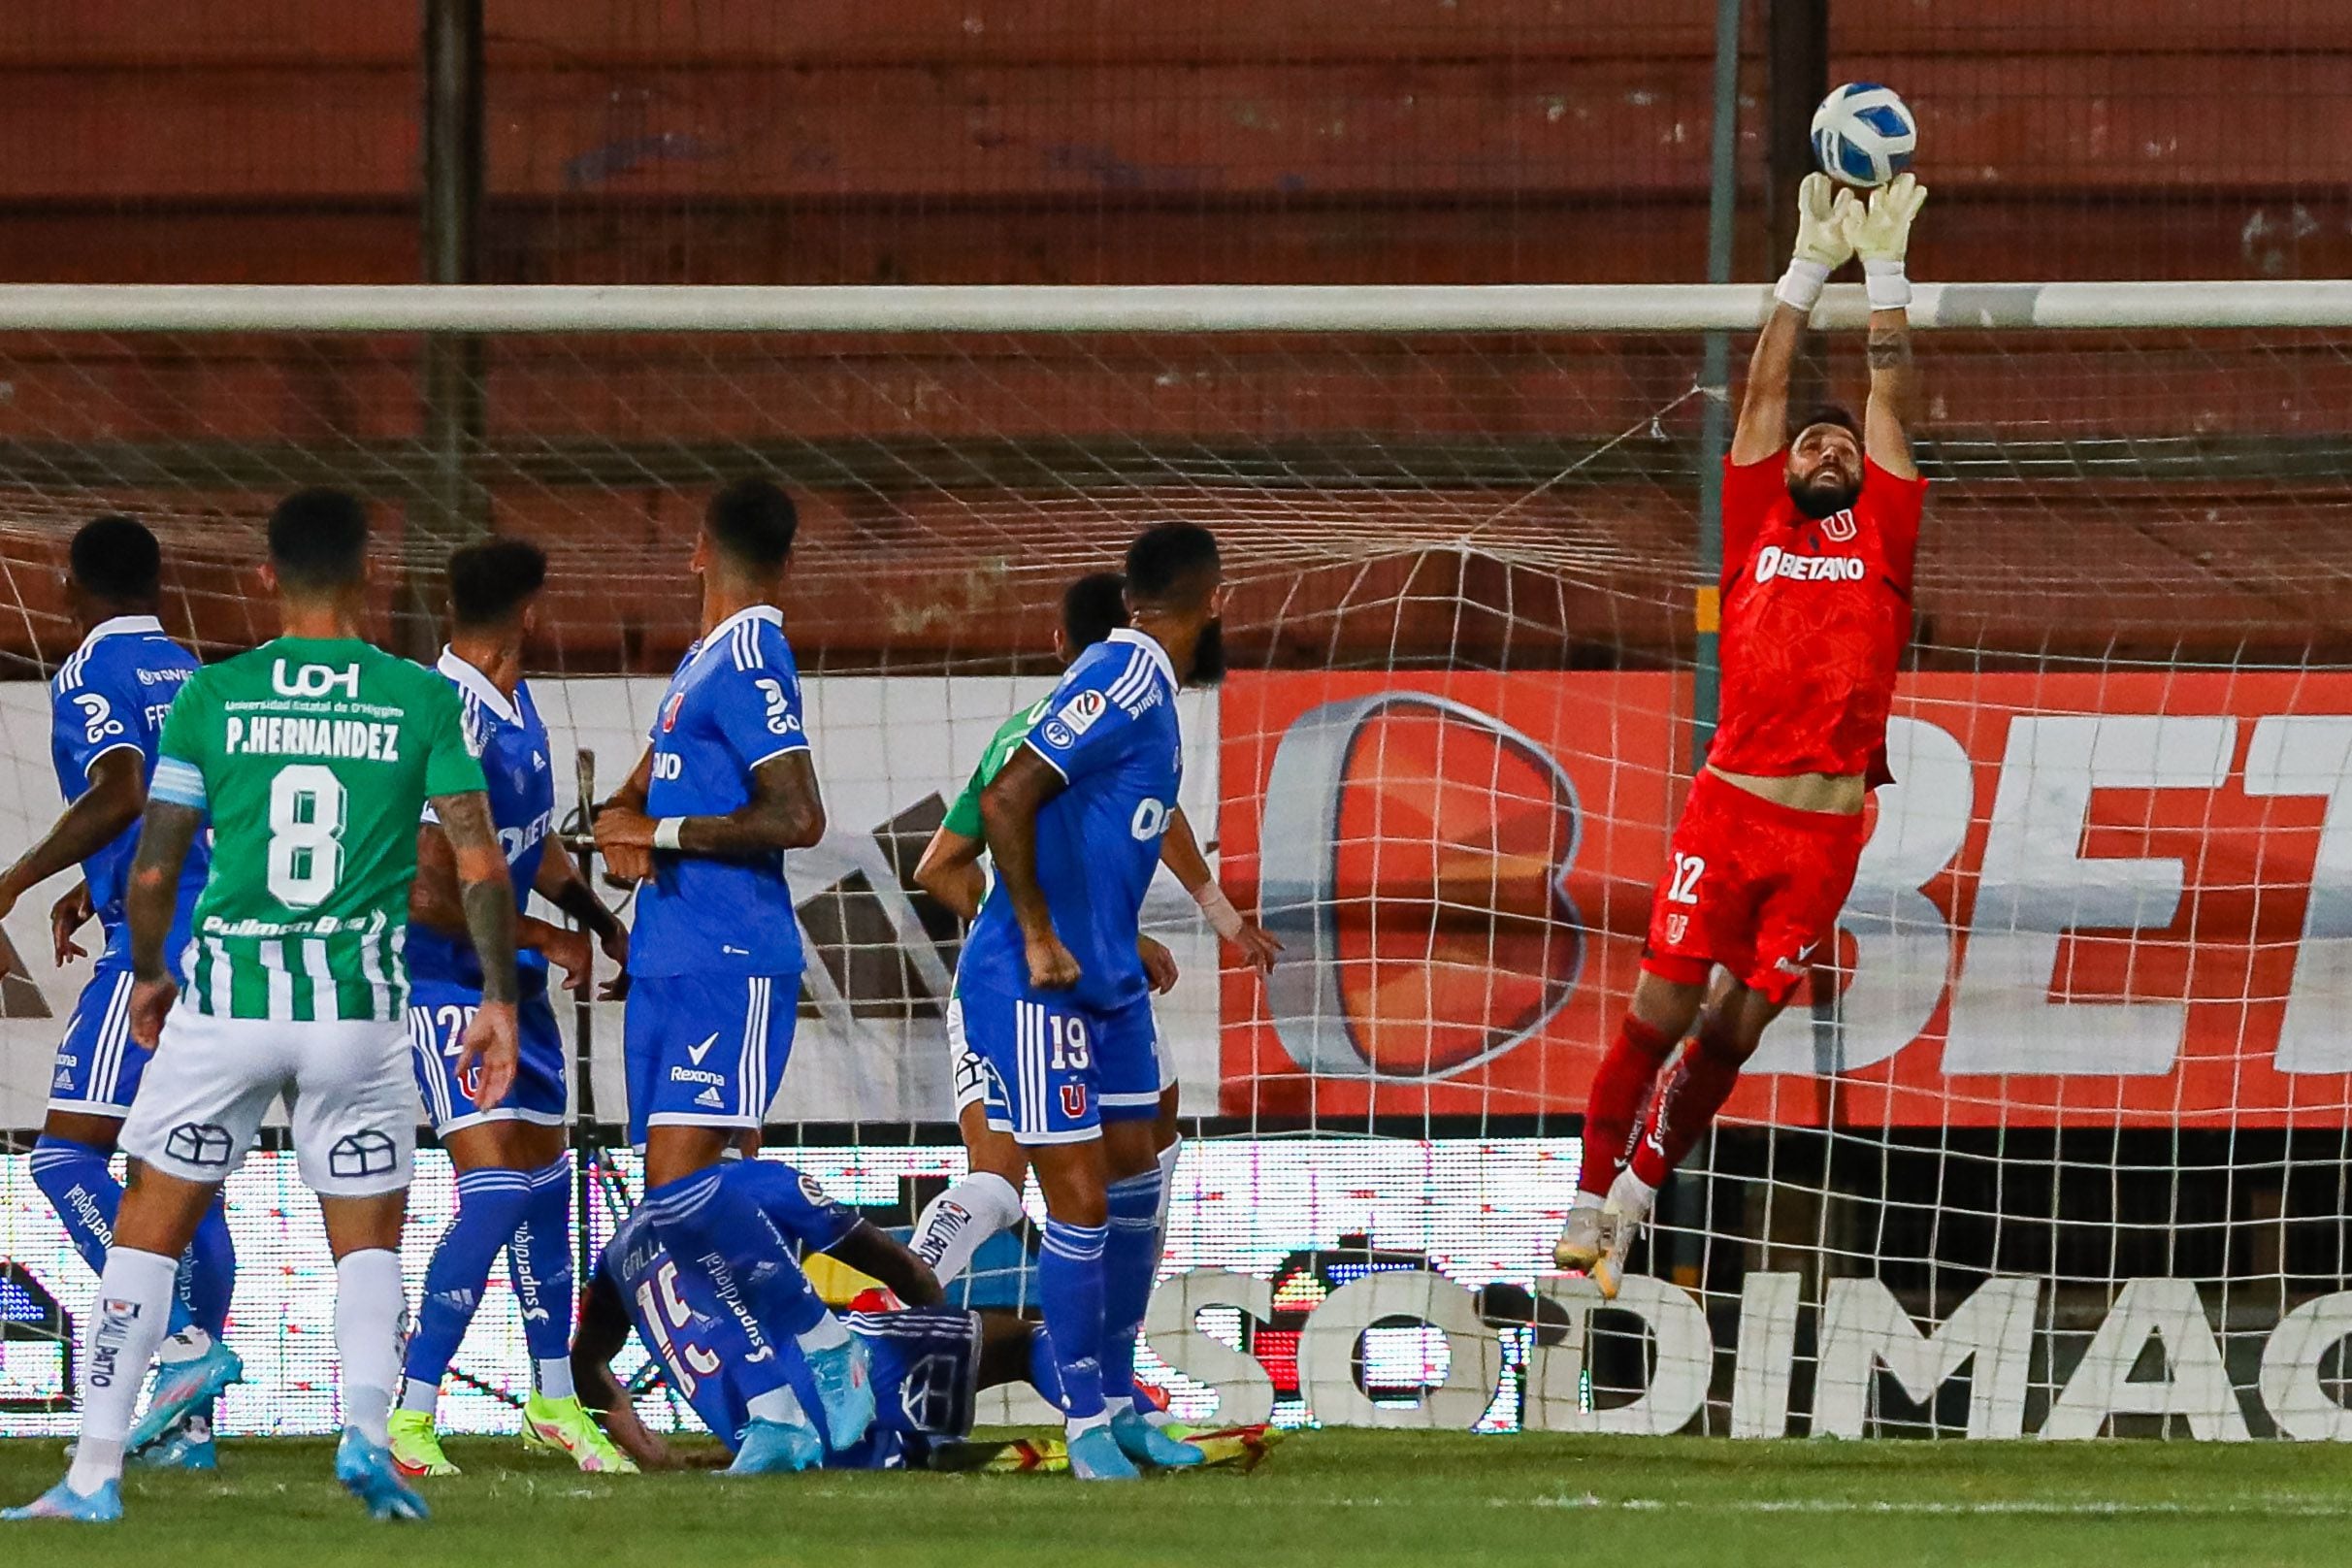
<point x="1881" y="237"/>
<point x="1822" y="248"/>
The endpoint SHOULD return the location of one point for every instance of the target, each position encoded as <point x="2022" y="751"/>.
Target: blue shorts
<point x="437" y="1015"/>
<point x="924" y="1363"/>
<point x="706" y="1050"/>
<point x="1055" y="1071"/>
<point x="98" y="1066"/>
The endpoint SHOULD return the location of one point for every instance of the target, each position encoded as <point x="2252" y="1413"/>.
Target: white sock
<point x="955" y="1224"/>
<point x="828" y="1334"/>
<point x="421" y="1397"/>
<point x="1631" y="1195"/>
<point x="1168" y="1180"/>
<point x="1585" y="1201"/>
<point x="555" y="1378"/>
<point x="1116" y="1408"/>
<point x="369" y="1302"/>
<point x="777" y="1405"/>
<point x="1154" y="1417"/>
<point x="1078" y="1427"/>
<point x="127" y="1322"/>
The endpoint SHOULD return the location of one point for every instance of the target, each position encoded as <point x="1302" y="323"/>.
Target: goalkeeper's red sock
<point x="1621" y="1092"/>
<point x="1687" y="1106"/>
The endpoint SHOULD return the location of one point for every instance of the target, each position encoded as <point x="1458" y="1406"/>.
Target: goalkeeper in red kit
<point x="1821" y="521"/>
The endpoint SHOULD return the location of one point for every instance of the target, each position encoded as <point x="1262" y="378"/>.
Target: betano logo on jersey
<point x="1773" y="562"/>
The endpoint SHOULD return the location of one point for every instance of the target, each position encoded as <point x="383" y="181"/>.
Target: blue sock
<point x="1045" y="1373"/>
<point x="490" y="1204"/>
<point x="538" y="1263"/>
<point x="708" y="1224"/>
<point x="207" y="1272"/>
<point x="1131" y="1263"/>
<point x="1069" y="1289"/>
<point x="80" y="1185"/>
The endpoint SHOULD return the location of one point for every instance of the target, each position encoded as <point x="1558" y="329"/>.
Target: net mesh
<point x="2080" y="1025"/>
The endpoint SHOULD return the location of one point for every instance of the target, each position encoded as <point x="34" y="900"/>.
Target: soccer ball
<point x="1864" y="134"/>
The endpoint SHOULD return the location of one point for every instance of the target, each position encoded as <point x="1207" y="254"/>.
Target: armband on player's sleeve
<point x="177" y="783"/>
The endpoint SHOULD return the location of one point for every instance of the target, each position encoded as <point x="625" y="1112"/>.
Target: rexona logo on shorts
<point x="1773" y="562"/>
<point x="1081" y="711"/>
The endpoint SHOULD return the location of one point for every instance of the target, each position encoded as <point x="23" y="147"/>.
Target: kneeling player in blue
<point x="726" y="788"/>
<point x="107" y="707"/>
<point x="513" y="1179"/>
<point x="748" y="1380"/>
<point x="1052" y="995"/>
<point x="930" y="1363"/>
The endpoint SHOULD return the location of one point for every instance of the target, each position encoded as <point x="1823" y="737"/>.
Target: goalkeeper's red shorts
<point x="1752" y="885"/>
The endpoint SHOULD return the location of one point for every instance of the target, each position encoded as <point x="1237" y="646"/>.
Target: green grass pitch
<point x="1323" y="1497"/>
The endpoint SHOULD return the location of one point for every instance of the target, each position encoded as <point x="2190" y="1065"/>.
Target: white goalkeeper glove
<point x="1880" y="233"/>
<point x="1822" y="244"/>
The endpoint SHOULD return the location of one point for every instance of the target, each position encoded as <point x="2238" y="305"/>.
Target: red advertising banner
<point x="2090" y="898"/>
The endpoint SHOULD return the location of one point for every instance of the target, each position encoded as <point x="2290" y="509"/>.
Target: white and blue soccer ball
<point x="1864" y="134"/>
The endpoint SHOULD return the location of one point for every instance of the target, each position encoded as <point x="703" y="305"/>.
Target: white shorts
<point x="966" y="1070"/>
<point x="347" y="1085"/>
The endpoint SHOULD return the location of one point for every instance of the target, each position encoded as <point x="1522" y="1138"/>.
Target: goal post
<point x="2074" y="1078"/>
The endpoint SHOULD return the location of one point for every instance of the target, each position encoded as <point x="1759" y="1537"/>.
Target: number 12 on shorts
<point x="1683" y="886"/>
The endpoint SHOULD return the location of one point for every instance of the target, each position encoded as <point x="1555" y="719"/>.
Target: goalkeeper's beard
<point x="1208" y="656"/>
<point x="1825" y="495"/>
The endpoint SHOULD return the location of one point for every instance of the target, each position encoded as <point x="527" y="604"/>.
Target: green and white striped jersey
<point x="315" y="757"/>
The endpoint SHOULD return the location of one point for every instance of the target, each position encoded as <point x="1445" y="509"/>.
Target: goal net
<point x="2054" y="1140"/>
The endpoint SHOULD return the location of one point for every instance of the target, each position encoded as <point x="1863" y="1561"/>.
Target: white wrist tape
<point x="1889" y="289"/>
<point x="665" y="833"/>
<point x="1800" y="287"/>
<point x="1219" y="911"/>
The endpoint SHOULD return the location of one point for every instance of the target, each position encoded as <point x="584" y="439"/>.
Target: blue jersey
<point x="734" y="704"/>
<point x="113" y="692"/>
<point x="512" y="743"/>
<point x="676" y="1312"/>
<point x="1110" y="731"/>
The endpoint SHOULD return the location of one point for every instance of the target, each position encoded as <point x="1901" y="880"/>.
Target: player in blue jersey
<point x="107" y="706"/>
<point x="714" y="963"/>
<point x="1052" y="995"/>
<point x="704" y="1343"/>
<point x="987" y="1199"/>
<point x="513" y="1181"/>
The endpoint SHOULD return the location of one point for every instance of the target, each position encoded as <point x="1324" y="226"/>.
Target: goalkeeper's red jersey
<point x="1815" y="617"/>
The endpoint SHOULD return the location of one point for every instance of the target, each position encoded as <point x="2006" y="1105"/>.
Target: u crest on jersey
<point x="1840" y="527"/>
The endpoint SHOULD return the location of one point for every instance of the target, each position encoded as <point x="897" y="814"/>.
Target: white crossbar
<point x="1564" y="307"/>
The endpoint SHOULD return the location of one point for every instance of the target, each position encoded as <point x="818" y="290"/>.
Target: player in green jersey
<point x="988" y="1200"/>
<point x="313" y="755"/>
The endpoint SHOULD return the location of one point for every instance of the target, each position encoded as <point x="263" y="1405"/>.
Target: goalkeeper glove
<point x="1880" y="233"/>
<point x="1822" y="242"/>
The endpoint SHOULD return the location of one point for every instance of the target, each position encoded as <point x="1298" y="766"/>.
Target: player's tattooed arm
<point x="116" y="795"/>
<point x="1893" y="394"/>
<point x="493" y="1040"/>
<point x="1008" y="812"/>
<point x="486" y="892"/>
<point x="149" y="903"/>
<point x="785" y="811"/>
